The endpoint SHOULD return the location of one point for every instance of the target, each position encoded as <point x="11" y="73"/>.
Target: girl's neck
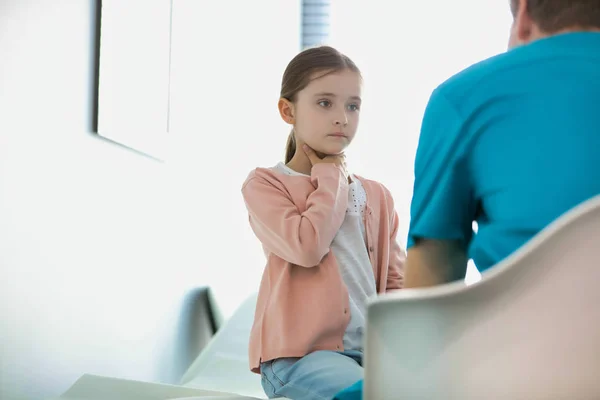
<point x="300" y="162"/>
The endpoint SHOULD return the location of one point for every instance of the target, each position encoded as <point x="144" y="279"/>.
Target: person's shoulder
<point x="374" y="186"/>
<point x="472" y="76"/>
<point x="495" y="71"/>
<point x="262" y="175"/>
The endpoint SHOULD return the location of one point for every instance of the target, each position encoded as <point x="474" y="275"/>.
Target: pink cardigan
<point x="303" y="304"/>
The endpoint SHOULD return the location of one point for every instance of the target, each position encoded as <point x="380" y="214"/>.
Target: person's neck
<point x="300" y="162"/>
<point x="577" y="29"/>
<point x="574" y="29"/>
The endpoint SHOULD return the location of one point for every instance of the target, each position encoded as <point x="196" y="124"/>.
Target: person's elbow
<point x="433" y="262"/>
<point x="309" y="257"/>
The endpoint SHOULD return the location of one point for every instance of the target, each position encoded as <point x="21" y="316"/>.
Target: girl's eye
<point x="353" y="107"/>
<point x="325" y="103"/>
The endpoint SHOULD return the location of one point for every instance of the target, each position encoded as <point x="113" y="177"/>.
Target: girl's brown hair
<point x="301" y="70"/>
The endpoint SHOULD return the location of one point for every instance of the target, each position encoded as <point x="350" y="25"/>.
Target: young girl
<point x="329" y="237"/>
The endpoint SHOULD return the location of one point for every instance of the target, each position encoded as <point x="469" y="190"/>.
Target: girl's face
<point x="326" y="112"/>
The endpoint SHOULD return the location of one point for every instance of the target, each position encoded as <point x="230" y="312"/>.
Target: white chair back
<point x="529" y="329"/>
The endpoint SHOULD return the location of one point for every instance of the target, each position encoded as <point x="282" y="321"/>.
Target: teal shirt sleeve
<point x="354" y="392"/>
<point x="443" y="205"/>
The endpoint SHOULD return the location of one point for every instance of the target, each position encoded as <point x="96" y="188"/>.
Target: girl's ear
<point x="287" y="111"/>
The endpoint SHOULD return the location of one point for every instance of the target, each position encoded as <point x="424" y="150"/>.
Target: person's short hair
<point x="556" y="15"/>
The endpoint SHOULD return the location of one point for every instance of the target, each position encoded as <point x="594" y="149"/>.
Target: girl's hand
<point x="339" y="160"/>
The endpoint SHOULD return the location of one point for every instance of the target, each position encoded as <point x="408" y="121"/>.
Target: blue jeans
<point x="316" y="376"/>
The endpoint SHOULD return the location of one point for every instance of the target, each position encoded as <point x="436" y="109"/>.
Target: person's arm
<point x="300" y="238"/>
<point x="395" y="278"/>
<point x="434" y="262"/>
<point x="443" y="204"/>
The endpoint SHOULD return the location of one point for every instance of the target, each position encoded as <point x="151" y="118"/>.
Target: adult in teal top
<point x="512" y="143"/>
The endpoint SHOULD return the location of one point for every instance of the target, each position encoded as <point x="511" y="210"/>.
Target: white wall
<point x="98" y="245"/>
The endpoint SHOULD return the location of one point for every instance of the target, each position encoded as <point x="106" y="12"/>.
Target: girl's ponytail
<point x="290" y="147"/>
